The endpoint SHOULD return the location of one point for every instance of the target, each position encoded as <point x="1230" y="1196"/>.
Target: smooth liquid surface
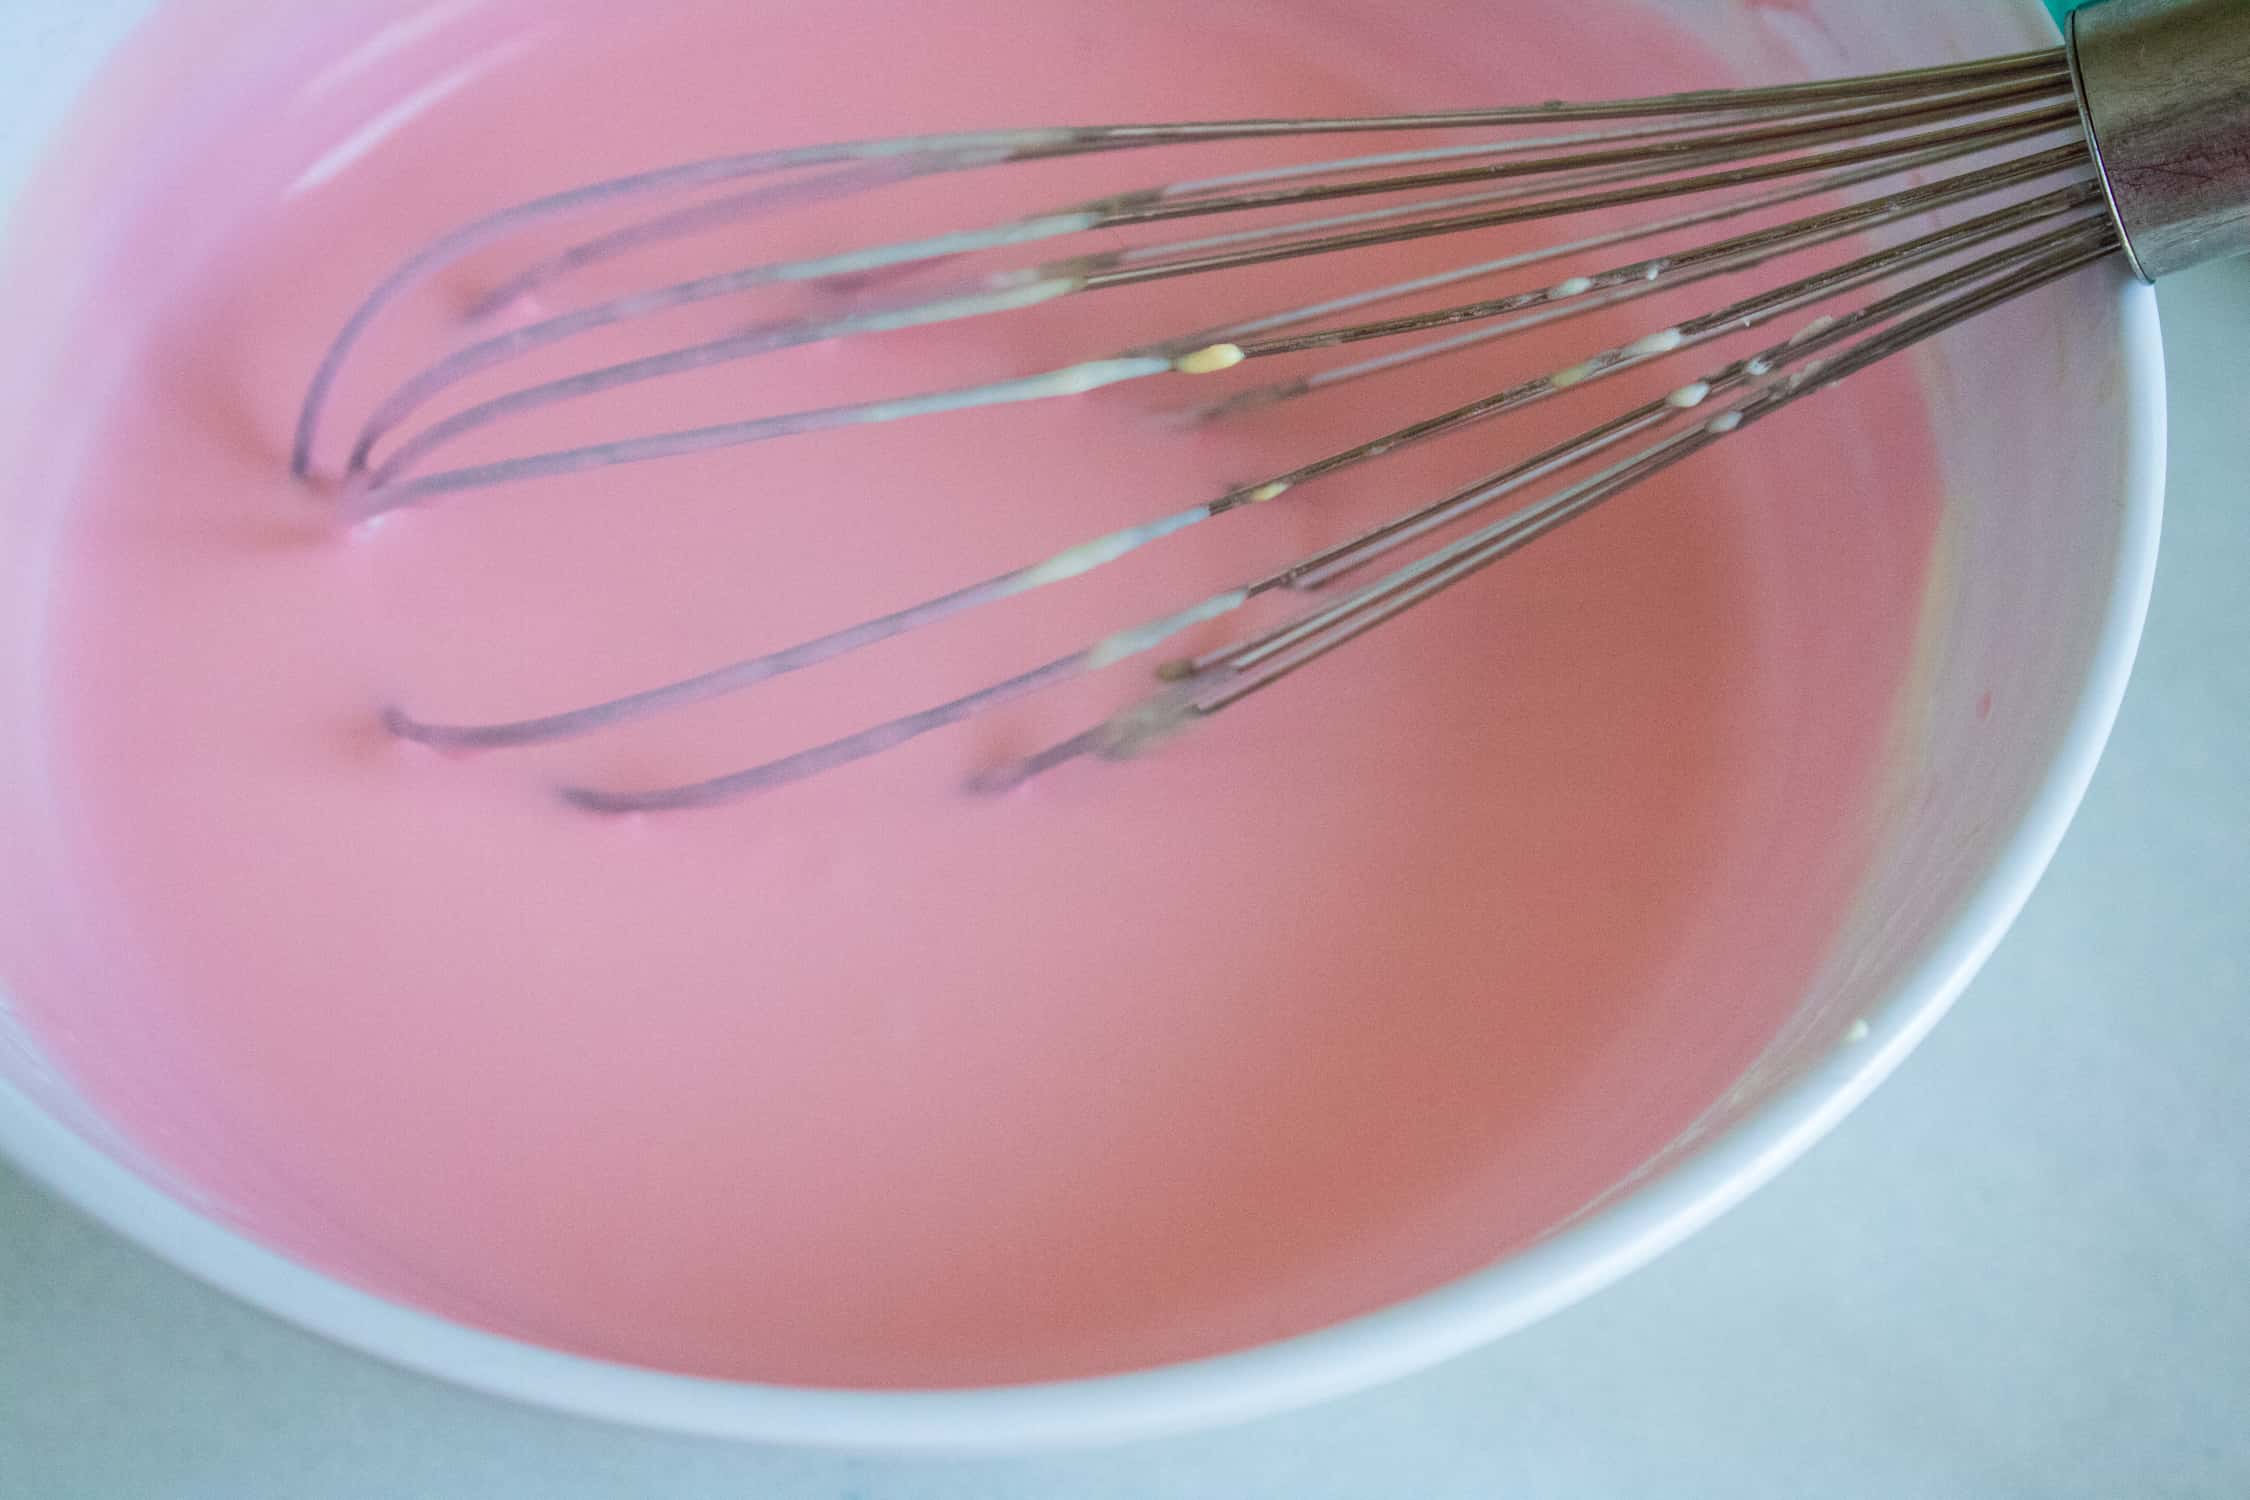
<point x="870" y="1082"/>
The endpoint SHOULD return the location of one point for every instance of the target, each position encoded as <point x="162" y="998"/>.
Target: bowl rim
<point x="1588" y="1254"/>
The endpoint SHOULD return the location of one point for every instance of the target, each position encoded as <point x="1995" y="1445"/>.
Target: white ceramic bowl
<point x="2051" y="429"/>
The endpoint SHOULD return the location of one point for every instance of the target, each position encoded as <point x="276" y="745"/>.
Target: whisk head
<point x="1897" y="205"/>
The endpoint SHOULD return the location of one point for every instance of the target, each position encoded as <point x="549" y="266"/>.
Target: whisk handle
<point x="2164" y="87"/>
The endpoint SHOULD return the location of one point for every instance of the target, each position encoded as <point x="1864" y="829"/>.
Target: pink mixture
<point x="868" y="1081"/>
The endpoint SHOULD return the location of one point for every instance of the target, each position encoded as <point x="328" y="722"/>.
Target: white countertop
<point x="2022" y="1269"/>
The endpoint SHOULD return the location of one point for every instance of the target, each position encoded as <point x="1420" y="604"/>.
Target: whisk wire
<point x="1859" y="151"/>
<point x="390" y="490"/>
<point x="1155" y="263"/>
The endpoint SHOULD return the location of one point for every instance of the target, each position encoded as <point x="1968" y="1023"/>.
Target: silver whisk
<point x="2133" y="140"/>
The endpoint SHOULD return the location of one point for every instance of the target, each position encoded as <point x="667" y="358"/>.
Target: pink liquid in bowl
<point x="869" y="1082"/>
